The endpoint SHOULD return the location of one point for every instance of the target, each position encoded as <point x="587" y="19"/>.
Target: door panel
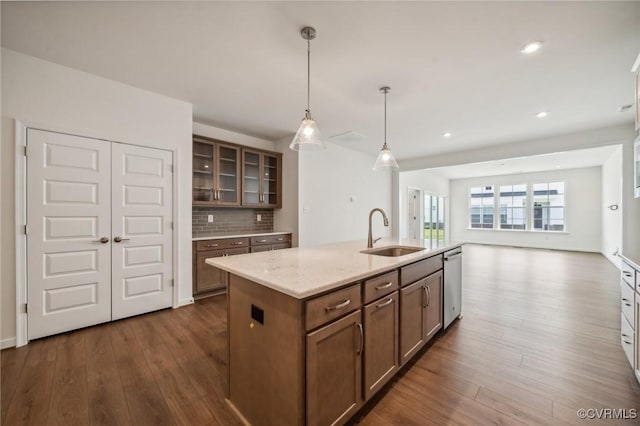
<point x="143" y="213"/>
<point x="68" y="211"/>
<point x="412" y="320"/>
<point x="434" y="304"/>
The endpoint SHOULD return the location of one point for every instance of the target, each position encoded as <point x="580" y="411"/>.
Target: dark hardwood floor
<point x="539" y="340"/>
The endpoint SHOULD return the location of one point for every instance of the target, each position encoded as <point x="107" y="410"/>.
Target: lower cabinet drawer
<point x="627" y="301"/>
<point x="418" y="270"/>
<point x="331" y="306"/>
<point x="627" y="339"/>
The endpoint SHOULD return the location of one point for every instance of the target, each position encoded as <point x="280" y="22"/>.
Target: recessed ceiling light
<point x="446" y="134"/>
<point x="542" y="114"/>
<point x="530" y="48"/>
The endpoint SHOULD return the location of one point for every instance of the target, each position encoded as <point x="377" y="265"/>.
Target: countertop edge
<point x="411" y="258"/>
<point x="632" y="263"/>
<point x="254" y="234"/>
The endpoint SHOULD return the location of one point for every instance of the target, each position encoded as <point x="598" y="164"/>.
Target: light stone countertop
<point x="256" y="234"/>
<point x="305" y="272"/>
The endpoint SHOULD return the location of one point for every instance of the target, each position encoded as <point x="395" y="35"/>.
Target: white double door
<point x="99" y="236"/>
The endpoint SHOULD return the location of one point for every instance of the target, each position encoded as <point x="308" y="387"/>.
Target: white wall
<point x="233" y="137"/>
<point x="429" y="183"/>
<point x="583" y="212"/>
<point x="612" y="195"/>
<point x="40" y="92"/>
<point x="327" y="181"/>
<point x="286" y="218"/>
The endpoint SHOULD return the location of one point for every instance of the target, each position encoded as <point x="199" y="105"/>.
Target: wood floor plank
<point x="30" y="404"/>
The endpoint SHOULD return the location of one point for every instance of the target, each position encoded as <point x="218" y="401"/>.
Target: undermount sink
<point x="392" y="251"/>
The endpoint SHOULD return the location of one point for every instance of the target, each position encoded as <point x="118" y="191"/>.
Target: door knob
<point x="103" y="240"/>
<point x="118" y="239"/>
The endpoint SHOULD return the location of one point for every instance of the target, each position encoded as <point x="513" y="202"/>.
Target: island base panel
<point x="265" y="360"/>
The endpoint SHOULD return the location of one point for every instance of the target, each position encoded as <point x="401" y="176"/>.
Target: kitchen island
<point x="315" y="332"/>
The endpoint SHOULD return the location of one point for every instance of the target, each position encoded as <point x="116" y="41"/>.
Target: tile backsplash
<point x="229" y="221"/>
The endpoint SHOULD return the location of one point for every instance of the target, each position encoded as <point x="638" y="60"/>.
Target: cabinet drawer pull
<point x="361" y="338"/>
<point x="627" y="274"/>
<point x="624" y="335"/>
<point x="626" y="302"/>
<point x="261" y="241"/>
<point x="383" y="286"/>
<point x="211" y="245"/>
<point x="279" y="239"/>
<point x="338" y="306"/>
<point x="383" y="304"/>
<point x="628" y="343"/>
<point x="237" y="243"/>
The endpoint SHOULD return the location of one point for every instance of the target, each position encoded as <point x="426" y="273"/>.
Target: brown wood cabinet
<point x="324" y="356"/>
<point x="261" y="179"/>
<point x="334" y="368"/>
<point x="380" y="319"/>
<point x="209" y="280"/>
<point x="216" y="173"/>
<point x="421" y="314"/>
<point x="270" y="242"/>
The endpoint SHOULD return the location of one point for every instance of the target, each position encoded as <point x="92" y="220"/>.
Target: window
<point x="513" y="207"/>
<point x="548" y="206"/>
<point x="481" y="205"/>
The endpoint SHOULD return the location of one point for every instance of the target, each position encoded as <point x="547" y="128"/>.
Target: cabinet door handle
<point x="626" y="302"/>
<point x="103" y="240"/>
<point x="426" y="297"/>
<point x="627" y="274"/>
<point x="119" y="239"/>
<point x="338" y="306"/>
<point x="383" y="286"/>
<point x="429" y="294"/>
<point x="361" y="339"/>
<point x="627" y="342"/>
<point x="383" y="304"/>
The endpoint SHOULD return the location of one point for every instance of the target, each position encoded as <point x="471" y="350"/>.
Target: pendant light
<point x="385" y="160"/>
<point x="308" y="136"/>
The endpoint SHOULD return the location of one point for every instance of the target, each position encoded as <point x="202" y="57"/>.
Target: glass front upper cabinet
<point x="261" y="182"/>
<point x="216" y="173"/>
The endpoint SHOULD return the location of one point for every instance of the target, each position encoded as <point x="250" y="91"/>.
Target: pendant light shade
<point x="385" y="160"/>
<point x="308" y="137"/>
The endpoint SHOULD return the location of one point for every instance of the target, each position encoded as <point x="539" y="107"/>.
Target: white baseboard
<point x="7" y="343"/>
<point x="185" y="302"/>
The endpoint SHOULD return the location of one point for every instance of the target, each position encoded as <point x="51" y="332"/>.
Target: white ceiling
<point x="536" y="163"/>
<point x="452" y="66"/>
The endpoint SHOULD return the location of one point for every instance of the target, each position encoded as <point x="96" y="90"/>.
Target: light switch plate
<point x="210" y="218"/>
<point x="259" y="218"/>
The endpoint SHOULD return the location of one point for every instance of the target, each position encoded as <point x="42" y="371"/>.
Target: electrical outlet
<point x="210" y="218"/>
<point x="259" y="218"/>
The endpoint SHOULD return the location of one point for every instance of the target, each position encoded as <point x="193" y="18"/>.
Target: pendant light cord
<point x="308" y="75"/>
<point x="385" y="118"/>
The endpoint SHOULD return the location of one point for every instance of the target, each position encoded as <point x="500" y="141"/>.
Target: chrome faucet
<point x="370" y="240"/>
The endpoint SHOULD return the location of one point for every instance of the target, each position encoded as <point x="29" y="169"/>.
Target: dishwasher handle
<point x="450" y="256"/>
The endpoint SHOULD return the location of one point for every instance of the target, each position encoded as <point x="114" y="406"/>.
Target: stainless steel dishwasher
<point x="452" y="285"/>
